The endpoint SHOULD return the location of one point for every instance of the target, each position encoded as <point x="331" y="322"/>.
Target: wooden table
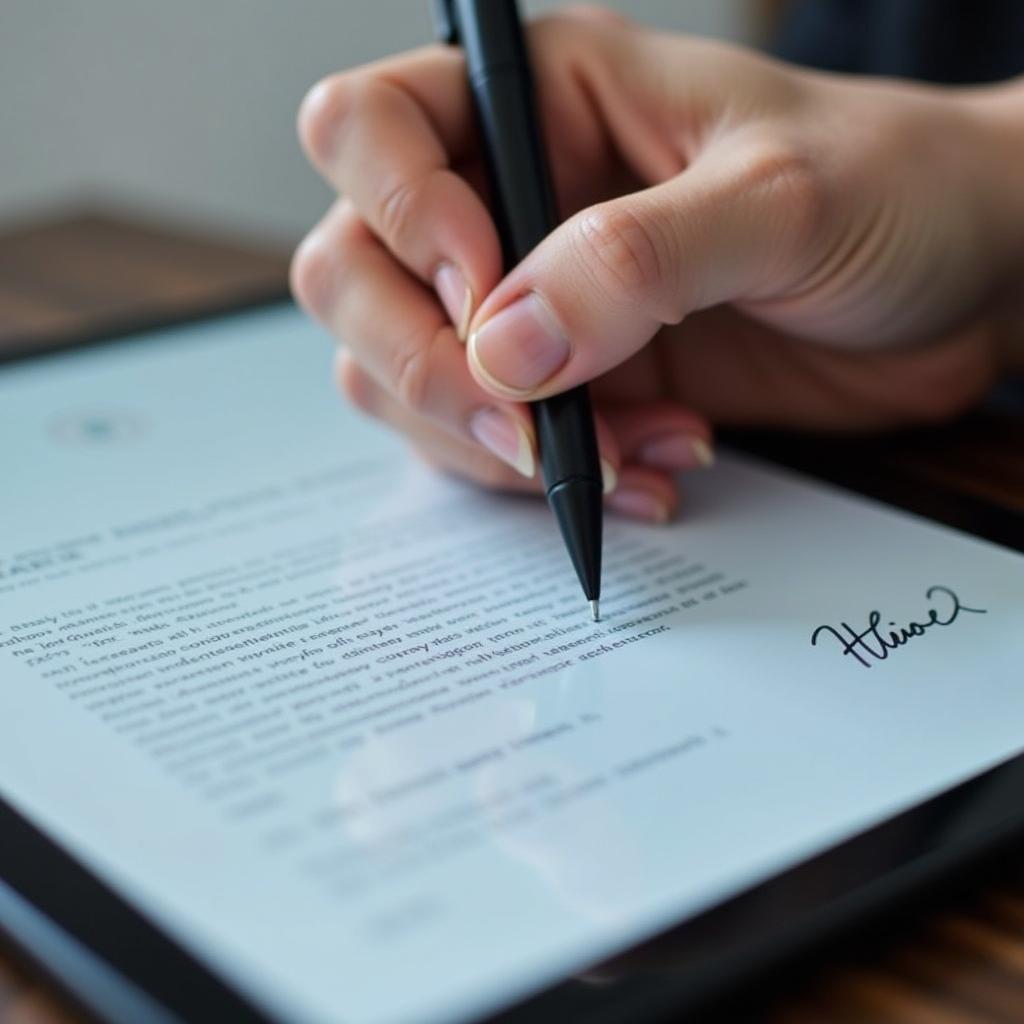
<point x="959" y="959"/>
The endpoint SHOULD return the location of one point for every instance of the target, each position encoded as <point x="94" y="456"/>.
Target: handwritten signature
<point x="877" y="641"/>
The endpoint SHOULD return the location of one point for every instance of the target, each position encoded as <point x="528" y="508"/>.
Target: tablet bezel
<point x="116" y="963"/>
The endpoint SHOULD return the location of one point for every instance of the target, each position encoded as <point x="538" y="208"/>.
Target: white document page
<point x="346" y="729"/>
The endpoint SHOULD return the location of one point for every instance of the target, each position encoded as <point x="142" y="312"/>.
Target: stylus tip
<point x="595" y="611"/>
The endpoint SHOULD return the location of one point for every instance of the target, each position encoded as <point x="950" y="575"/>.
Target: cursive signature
<point x="877" y="641"/>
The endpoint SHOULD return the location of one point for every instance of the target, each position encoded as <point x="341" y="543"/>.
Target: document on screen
<point x="347" y="730"/>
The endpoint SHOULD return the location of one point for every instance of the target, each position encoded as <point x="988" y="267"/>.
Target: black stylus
<point x="523" y="206"/>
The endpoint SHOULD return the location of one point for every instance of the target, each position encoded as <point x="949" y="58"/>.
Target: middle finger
<point x="397" y="332"/>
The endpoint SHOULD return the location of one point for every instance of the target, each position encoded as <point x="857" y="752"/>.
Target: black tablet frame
<point x="116" y="964"/>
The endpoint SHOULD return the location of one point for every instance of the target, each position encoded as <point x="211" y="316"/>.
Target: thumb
<point x="598" y="288"/>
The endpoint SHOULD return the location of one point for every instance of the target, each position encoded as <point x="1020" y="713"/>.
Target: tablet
<point x="292" y="729"/>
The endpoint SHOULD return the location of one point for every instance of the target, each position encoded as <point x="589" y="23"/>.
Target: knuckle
<point x="322" y="110"/>
<point x="333" y="108"/>
<point x="316" y="273"/>
<point x="399" y="206"/>
<point x="410" y="375"/>
<point x="348" y="235"/>
<point x="310" y="273"/>
<point x="621" y="251"/>
<point x="789" y="176"/>
<point x="411" y="370"/>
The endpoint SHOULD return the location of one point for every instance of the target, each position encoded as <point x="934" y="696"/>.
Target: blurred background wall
<point x="187" y="108"/>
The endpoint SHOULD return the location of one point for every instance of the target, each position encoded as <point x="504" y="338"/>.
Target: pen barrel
<point x="522" y="201"/>
<point x="498" y="68"/>
<point x="567" y="416"/>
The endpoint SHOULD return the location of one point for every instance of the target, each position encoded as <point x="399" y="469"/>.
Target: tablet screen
<point x="345" y="728"/>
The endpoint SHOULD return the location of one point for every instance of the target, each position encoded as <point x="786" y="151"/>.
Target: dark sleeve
<point x="954" y="41"/>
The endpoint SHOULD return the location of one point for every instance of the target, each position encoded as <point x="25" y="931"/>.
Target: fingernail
<point x="609" y="478"/>
<point x="506" y="437"/>
<point x="639" y="504"/>
<point x="705" y="453"/>
<point x="456" y="297"/>
<point x="676" y="451"/>
<point x="520" y="347"/>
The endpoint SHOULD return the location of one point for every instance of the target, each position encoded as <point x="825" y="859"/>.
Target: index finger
<point x="433" y="76"/>
<point x="385" y="136"/>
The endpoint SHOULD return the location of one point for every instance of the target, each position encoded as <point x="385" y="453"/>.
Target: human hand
<point x="747" y="243"/>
